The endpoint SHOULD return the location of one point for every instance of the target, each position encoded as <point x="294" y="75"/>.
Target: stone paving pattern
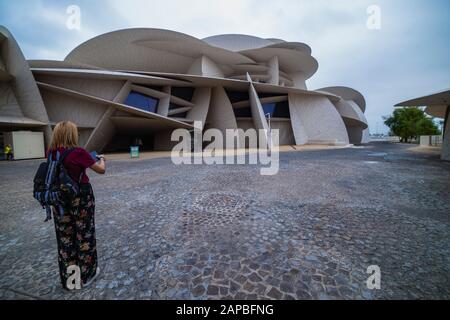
<point x="226" y="232"/>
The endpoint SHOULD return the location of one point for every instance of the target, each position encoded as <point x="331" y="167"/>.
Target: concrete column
<point x="221" y="115"/>
<point x="299" y="80"/>
<point x="201" y="100"/>
<point x="315" y="120"/>
<point x="164" y="102"/>
<point x="204" y="66"/>
<point x="23" y="84"/>
<point x="258" y="116"/>
<point x="274" y="71"/>
<point x="446" y="137"/>
<point x="105" y="129"/>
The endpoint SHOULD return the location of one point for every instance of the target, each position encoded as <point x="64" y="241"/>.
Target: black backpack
<point x="53" y="186"/>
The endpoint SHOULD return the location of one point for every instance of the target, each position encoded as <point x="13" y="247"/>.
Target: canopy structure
<point x="437" y="105"/>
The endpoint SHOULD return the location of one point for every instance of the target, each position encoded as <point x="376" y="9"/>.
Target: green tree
<point x="410" y="122"/>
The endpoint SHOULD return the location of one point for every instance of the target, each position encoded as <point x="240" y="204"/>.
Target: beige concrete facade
<point x="141" y="84"/>
<point x="21" y="105"/>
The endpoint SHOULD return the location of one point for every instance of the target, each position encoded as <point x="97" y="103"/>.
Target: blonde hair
<point x="65" y="135"/>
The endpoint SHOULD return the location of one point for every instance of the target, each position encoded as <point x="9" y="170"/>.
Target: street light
<point x="270" y="131"/>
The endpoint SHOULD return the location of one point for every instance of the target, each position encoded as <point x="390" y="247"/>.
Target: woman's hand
<point x="100" y="166"/>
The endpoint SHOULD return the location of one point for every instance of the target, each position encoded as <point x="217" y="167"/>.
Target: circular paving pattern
<point x="225" y="204"/>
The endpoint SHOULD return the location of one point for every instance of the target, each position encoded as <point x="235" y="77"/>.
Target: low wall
<point x="393" y="139"/>
<point x="435" y="141"/>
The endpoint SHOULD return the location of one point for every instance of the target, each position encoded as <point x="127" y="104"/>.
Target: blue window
<point x="142" y="101"/>
<point x="269" y="108"/>
<point x="277" y="110"/>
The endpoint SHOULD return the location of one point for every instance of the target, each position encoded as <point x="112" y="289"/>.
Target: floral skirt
<point x="75" y="235"/>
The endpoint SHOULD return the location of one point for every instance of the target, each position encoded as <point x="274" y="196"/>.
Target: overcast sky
<point x="408" y="57"/>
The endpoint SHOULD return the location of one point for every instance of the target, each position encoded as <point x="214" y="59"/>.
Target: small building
<point x="25" y="144"/>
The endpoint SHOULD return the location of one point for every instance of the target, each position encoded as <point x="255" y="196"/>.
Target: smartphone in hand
<point x="94" y="155"/>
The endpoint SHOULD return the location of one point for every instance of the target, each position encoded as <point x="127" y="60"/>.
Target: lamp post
<point x="270" y="131"/>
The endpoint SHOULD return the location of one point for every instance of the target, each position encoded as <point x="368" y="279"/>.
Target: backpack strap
<point x="48" y="180"/>
<point x="50" y="170"/>
<point x="81" y="177"/>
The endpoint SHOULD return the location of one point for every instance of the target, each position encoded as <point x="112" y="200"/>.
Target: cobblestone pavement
<point x="209" y="232"/>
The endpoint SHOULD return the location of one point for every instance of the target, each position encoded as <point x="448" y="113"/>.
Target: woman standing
<point x="75" y="230"/>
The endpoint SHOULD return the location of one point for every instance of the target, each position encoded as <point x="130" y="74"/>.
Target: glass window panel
<point x="277" y="110"/>
<point x="282" y="110"/>
<point x="142" y="101"/>
<point x="185" y="93"/>
<point x="243" y="112"/>
<point x="236" y="96"/>
<point x="269" y="108"/>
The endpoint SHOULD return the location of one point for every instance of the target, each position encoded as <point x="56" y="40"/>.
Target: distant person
<point x="138" y="143"/>
<point x="75" y="229"/>
<point x="8" y="152"/>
